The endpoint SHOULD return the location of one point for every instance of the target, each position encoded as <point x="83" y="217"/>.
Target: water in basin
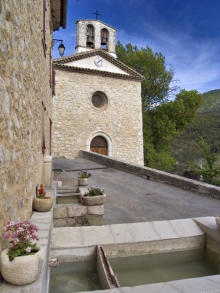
<point x="66" y="199"/>
<point x="163" y="267"/>
<point x="74" y="277"/>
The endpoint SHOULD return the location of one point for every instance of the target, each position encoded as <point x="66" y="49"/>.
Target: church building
<point x="97" y="106"/>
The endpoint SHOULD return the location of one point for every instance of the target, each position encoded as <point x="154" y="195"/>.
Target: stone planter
<point x="217" y="219"/>
<point x="42" y="204"/>
<point x="22" y="270"/>
<point x="83" y="181"/>
<point x="94" y="200"/>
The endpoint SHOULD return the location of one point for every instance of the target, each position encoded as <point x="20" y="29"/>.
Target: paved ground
<point x="133" y="199"/>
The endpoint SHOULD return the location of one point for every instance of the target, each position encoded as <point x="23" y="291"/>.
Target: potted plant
<point x="22" y="262"/>
<point x="42" y="202"/>
<point x="94" y="196"/>
<point x="83" y="178"/>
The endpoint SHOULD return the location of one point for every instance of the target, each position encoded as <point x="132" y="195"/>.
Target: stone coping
<point x="44" y="221"/>
<point x="125" y="233"/>
<point x="153" y="174"/>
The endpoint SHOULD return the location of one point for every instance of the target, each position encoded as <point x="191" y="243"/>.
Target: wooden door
<point x="99" y="145"/>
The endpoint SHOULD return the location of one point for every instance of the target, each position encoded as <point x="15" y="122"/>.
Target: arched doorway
<point x="99" y="145"/>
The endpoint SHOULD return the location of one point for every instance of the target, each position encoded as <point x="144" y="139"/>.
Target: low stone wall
<point x="74" y="215"/>
<point x="156" y="175"/>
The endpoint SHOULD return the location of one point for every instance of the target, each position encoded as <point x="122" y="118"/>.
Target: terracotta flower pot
<point x="217" y="219"/>
<point x="94" y="200"/>
<point x="42" y="204"/>
<point x="83" y="181"/>
<point x="22" y="270"/>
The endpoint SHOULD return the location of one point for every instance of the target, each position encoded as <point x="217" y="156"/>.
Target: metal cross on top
<point x="96" y="13"/>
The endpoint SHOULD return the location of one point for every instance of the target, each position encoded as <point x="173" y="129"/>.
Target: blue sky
<point x="186" y="32"/>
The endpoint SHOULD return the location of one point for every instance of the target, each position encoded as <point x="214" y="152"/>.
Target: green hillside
<point x="205" y="125"/>
<point x="211" y="101"/>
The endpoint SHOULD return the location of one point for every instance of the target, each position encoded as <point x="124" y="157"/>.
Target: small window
<point x="99" y="100"/>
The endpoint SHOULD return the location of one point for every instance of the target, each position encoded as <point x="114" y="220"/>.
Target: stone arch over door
<point x="101" y="143"/>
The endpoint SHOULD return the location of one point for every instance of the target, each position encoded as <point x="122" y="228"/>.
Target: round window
<point x="99" y="100"/>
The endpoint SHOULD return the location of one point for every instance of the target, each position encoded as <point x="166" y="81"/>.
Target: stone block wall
<point x="77" y="121"/>
<point x="25" y="84"/>
<point x="73" y="215"/>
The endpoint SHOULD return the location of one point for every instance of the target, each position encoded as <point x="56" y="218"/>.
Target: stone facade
<point x="25" y="104"/>
<point x="77" y="121"/>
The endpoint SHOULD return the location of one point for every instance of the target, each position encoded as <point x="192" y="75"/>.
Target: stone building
<point x="97" y="106"/>
<point x="26" y="91"/>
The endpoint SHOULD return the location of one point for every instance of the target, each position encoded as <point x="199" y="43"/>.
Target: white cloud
<point x="196" y="62"/>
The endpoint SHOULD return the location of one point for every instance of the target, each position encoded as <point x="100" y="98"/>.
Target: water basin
<point x="162" y="267"/>
<point x="66" y="199"/>
<point x="74" y="277"/>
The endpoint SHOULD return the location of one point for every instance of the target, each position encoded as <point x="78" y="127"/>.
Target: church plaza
<point x="133" y="199"/>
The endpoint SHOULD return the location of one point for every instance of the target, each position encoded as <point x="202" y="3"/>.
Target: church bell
<point x="89" y="40"/>
<point x="103" y="41"/>
<point x="90" y="36"/>
<point x="104" y="38"/>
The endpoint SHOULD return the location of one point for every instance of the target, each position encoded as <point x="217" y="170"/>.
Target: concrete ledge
<point x="156" y="175"/>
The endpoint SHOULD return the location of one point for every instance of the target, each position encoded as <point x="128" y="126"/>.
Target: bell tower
<point x="95" y="34"/>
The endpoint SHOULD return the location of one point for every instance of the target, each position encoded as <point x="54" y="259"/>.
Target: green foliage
<point x="20" y="250"/>
<point x="209" y="171"/>
<point x="162" y="123"/>
<point x="93" y="191"/>
<point x="156" y="88"/>
<point x="207" y="125"/>
<point x="211" y="101"/>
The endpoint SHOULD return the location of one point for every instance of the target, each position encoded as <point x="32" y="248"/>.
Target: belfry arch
<point x="101" y="143"/>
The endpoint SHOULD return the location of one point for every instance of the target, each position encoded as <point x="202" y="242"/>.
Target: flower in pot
<point x="22" y="262"/>
<point x="42" y="202"/>
<point x="94" y="196"/>
<point x="83" y="178"/>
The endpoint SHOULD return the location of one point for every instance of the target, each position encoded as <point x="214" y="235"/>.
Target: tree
<point x="159" y="84"/>
<point x="162" y="123"/>
<point x="162" y="119"/>
<point x="208" y="171"/>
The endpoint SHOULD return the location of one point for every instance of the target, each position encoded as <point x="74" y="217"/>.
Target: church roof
<point x="62" y="64"/>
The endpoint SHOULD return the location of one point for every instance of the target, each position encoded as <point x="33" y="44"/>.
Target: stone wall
<point x="156" y="175"/>
<point x="77" y="121"/>
<point x="25" y="83"/>
<point x="74" y="215"/>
